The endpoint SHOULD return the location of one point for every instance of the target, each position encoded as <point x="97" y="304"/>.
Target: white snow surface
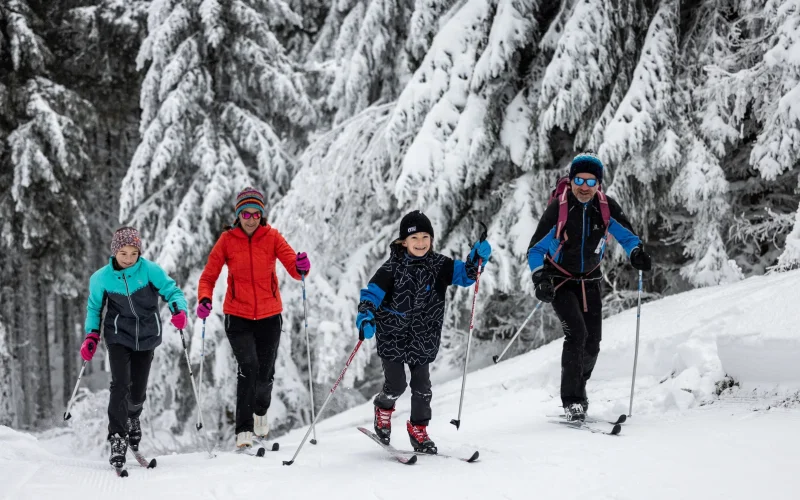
<point x="682" y="442"/>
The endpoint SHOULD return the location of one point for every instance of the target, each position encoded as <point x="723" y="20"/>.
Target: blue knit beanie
<point x="586" y="163"/>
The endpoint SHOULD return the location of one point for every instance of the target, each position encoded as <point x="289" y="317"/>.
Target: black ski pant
<point x="130" y="370"/>
<point x="394" y="386"/>
<point x="255" y="346"/>
<point x="582" y="335"/>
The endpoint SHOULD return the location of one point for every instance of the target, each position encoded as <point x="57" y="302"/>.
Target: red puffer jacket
<point x="252" y="282"/>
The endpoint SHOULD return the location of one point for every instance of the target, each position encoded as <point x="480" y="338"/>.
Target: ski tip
<point x="152" y="464"/>
<point x="275" y="446"/>
<point x="411" y="460"/>
<point x="474" y="457"/>
<point x="622" y="419"/>
<point x="313" y="441"/>
<point x="495" y="358"/>
<point x="261" y="452"/>
<point x="121" y="472"/>
<point x="616" y="429"/>
<point x="288" y="462"/>
<point x="457" y="423"/>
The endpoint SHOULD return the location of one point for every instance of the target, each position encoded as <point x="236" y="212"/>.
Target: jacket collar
<point x="259" y="233"/>
<point x="129" y="271"/>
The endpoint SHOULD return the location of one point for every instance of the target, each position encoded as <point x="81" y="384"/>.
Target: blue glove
<point x="365" y="321"/>
<point x="480" y="249"/>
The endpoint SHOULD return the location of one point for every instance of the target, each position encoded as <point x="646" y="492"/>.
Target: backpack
<point x="560" y="193"/>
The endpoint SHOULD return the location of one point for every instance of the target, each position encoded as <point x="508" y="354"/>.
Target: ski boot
<point x="420" y="441"/>
<point x="260" y="426"/>
<point x="383" y="424"/>
<point x="134" y="433"/>
<point x="574" y="413"/>
<point x="244" y="440"/>
<point x="119" y="447"/>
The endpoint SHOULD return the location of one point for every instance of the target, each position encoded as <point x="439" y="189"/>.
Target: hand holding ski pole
<point x="482" y="239"/>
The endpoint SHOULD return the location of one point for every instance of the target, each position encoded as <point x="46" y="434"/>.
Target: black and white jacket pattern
<point x="406" y="296"/>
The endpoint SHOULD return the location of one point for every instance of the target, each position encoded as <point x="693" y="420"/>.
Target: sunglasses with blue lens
<point x="579" y="181"/>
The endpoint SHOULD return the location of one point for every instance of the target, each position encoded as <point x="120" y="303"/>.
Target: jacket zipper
<point x="253" y="278"/>
<point x="130" y="301"/>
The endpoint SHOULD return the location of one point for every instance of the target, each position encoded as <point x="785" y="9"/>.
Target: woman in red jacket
<point x="252" y="306"/>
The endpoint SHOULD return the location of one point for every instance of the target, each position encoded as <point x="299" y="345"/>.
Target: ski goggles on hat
<point x="254" y="215"/>
<point x="580" y="181"/>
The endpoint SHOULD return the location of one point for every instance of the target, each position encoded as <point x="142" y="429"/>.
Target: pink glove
<point x="179" y="320"/>
<point x="89" y="346"/>
<point x="302" y="263"/>
<point x="203" y="309"/>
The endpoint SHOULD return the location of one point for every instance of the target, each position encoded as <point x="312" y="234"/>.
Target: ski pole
<point x="67" y="415"/>
<point x="194" y="389"/>
<point x="322" y="409"/>
<point x="457" y="421"/>
<point x="308" y="352"/>
<point x="199" y="423"/>
<point x="496" y="358"/>
<point x="636" y="352"/>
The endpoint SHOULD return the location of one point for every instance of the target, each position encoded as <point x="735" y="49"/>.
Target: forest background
<point x="347" y="114"/>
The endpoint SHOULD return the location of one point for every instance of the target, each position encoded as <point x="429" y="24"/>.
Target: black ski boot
<point x="574" y="413"/>
<point x="119" y="447"/>
<point x="420" y="441"/>
<point x="134" y="433"/>
<point x="383" y="424"/>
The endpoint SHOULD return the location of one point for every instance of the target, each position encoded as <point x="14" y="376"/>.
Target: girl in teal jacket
<point x="128" y="288"/>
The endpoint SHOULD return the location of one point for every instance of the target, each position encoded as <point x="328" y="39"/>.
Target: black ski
<point x="121" y="472"/>
<point x="407" y="458"/>
<point x="247" y="450"/>
<point x="273" y="447"/>
<point x="593" y="420"/>
<point x="577" y="424"/>
<point x="142" y="460"/>
<point x="473" y="458"/>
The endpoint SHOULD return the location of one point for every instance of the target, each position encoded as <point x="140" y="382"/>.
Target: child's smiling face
<point x="418" y="244"/>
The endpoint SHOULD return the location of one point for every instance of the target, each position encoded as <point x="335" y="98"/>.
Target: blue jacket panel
<point x="131" y="298"/>
<point x="407" y="298"/>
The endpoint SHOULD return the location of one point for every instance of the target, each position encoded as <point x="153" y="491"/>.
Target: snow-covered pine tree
<point x="223" y="107"/>
<point x="640" y="144"/>
<point x="43" y="204"/>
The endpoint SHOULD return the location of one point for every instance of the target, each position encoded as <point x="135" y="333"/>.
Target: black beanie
<point x="415" y="222"/>
<point x="586" y="163"/>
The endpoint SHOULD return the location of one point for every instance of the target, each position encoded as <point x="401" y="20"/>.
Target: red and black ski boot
<point x="383" y="424"/>
<point x="420" y="441"/>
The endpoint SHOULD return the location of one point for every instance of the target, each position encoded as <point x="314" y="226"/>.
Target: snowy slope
<point x="682" y="442"/>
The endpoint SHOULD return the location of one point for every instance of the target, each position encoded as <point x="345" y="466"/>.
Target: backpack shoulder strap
<point x="605" y="210"/>
<point x="563" y="212"/>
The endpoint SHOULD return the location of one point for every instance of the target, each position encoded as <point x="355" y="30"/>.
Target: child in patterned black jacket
<point x="403" y="305"/>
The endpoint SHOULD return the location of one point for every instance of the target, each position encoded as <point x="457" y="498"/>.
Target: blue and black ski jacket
<point x="131" y="298"/>
<point x="583" y="240"/>
<point x="406" y="298"/>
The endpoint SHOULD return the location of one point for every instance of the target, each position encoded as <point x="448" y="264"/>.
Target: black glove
<point x="640" y="259"/>
<point x="543" y="284"/>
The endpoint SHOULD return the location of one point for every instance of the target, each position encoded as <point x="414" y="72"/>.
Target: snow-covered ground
<point x="683" y="441"/>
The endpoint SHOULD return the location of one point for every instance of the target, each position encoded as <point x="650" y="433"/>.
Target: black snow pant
<point x="130" y="370"/>
<point x="582" y="335"/>
<point x="255" y="346"/>
<point x="394" y="386"/>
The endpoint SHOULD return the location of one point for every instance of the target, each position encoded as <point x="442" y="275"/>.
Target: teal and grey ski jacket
<point x="131" y="298"/>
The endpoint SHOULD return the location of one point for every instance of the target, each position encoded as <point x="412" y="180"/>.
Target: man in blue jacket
<point x="564" y="257"/>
